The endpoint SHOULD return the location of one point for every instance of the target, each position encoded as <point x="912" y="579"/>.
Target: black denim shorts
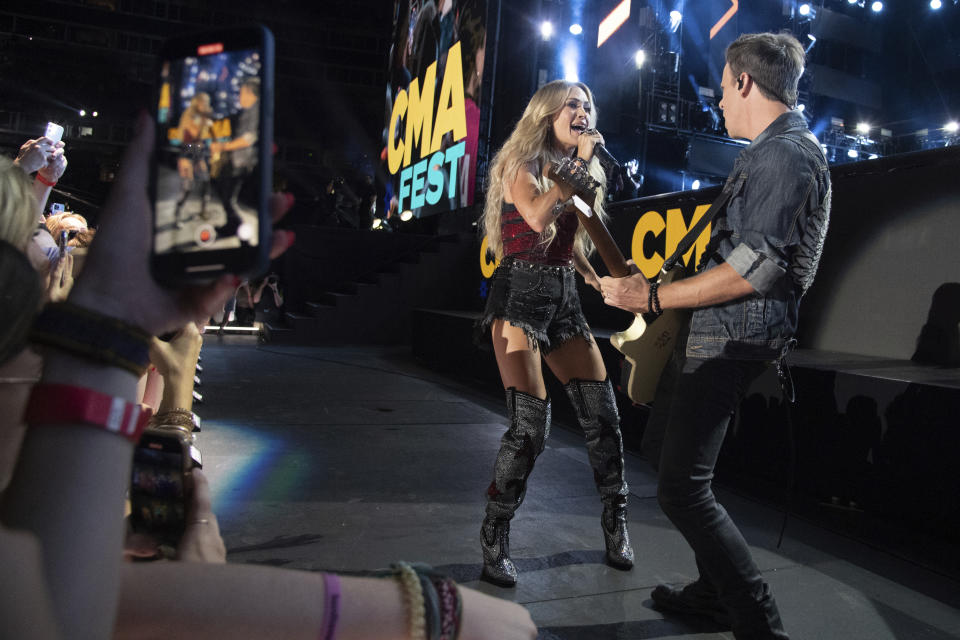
<point x="540" y="299"/>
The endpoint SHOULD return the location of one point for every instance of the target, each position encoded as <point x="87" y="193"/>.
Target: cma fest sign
<point x="424" y="120"/>
<point x="656" y="235"/>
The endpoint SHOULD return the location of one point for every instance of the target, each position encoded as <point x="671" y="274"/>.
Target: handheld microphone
<point x="605" y="158"/>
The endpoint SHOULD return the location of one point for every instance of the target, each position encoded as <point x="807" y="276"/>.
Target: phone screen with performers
<point x="211" y="171"/>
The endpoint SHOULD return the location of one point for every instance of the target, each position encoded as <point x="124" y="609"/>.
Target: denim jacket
<point x="771" y="233"/>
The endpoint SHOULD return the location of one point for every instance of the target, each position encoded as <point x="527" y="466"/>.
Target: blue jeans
<point x="683" y="437"/>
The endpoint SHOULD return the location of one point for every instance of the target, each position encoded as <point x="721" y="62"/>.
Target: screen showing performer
<point x="433" y="105"/>
<point x="209" y="104"/>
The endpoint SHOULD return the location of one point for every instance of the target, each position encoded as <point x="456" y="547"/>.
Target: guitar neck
<point x="609" y="252"/>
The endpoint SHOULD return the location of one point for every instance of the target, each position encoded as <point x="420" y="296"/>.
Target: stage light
<point x="406" y="215"/>
<point x="872" y="156"/>
<point x="376" y="223"/>
<point x="83" y="112"/>
<point x="571" y="62"/>
<point x="613" y="21"/>
<point x="639" y="58"/>
<point x="576" y="29"/>
<point x="95" y="114"/>
<point x="851" y="1"/>
<point x="863" y="127"/>
<point x="804" y="9"/>
<point x="675" y="19"/>
<point x="813" y="40"/>
<point x="695" y="185"/>
<point x="546" y="29"/>
<point x="877" y="6"/>
<point x="853" y="153"/>
<point x="801" y="107"/>
<point x="951" y="127"/>
<point x="935" y="4"/>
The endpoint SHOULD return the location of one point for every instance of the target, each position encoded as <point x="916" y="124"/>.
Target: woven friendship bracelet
<point x="413" y="597"/>
<point x="451" y="607"/>
<point x="93" y="336"/>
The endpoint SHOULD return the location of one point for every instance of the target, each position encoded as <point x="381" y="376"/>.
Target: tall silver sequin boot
<point x="519" y="448"/>
<point x="597" y="413"/>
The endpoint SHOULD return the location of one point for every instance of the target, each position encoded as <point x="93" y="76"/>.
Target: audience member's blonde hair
<point x="60" y="222"/>
<point x="18" y="205"/>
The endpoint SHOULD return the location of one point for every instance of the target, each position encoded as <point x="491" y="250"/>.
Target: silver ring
<point x="200" y="521"/>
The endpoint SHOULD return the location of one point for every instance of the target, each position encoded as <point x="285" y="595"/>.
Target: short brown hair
<point x="773" y="60"/>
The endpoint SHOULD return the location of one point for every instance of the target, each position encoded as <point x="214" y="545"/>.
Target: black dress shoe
<point x="697" y="598"/>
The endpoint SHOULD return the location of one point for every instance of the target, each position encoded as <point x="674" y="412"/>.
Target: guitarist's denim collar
<point x="771" y="232"/>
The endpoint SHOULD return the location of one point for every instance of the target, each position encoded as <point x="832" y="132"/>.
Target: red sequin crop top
<point x="523" y="243"/>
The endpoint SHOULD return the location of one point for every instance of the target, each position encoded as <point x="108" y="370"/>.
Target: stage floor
<point x="350" y="458"/>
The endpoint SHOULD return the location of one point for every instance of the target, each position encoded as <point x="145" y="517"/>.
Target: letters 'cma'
<point x="416" y="107"/>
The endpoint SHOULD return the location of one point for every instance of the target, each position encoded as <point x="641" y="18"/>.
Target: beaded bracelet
<point x="653" y="301"/>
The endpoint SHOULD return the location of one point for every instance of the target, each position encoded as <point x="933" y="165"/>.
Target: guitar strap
<point x="687" y="241"/>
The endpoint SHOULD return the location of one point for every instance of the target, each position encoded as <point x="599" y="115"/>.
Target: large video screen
<point x="433" y="105"/>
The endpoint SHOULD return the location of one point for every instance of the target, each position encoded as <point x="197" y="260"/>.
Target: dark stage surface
<point x="350" y="458"/>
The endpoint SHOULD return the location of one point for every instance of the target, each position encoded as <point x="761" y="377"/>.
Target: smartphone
<point x="53" y="132"/>
<point x="211" y="172"/>
<point x="62" y="242"/>
<point x="158" y="494"/>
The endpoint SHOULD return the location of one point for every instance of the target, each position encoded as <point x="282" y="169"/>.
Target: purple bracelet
<point x="331" y="606"/>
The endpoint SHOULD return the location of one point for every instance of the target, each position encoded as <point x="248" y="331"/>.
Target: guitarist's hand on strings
<point x="631" y="293"/>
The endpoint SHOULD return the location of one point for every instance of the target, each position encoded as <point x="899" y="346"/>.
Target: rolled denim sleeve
<point x="776" y="192"/>
<point x="756" y="268"/>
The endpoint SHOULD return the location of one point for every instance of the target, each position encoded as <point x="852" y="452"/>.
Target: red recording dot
<point x="205" y="235"/>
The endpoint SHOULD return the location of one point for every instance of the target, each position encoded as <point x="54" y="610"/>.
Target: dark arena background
<point x="360" y="351"/>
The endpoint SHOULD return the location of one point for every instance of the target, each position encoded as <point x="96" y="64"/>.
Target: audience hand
<point x="35" y="154"/>
<point x="201" y="541"/>
<point x="61" y="279"/>
<point x="178" y="357"/>
<point x="56" y="164"/>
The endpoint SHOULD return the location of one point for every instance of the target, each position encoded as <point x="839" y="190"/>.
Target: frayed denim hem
<point x="538" y="340"/>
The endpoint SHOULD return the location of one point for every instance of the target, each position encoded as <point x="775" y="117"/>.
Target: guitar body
<point x="647" y="345"/>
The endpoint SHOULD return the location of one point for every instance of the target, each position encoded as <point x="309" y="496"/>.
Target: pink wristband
<point x="331" y="606"/>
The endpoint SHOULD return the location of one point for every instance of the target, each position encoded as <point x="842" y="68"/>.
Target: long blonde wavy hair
<point x="19" y="211"/>
<point x="532" y="141"/>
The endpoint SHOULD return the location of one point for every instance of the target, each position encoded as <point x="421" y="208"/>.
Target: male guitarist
<point x="762" y="257"/>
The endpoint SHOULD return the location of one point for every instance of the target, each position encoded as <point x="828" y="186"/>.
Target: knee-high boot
<point x="597" y="413"/>
<point x="519" y="448"/>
